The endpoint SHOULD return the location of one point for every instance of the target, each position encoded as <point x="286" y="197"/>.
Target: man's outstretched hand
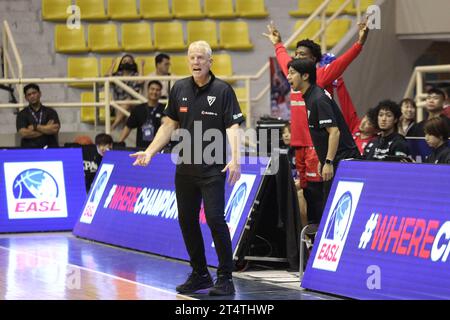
<point x="142" y="158"/>
<point x="274" y="34"/>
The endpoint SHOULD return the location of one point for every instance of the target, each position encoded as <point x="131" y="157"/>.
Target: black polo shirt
<point x="439" y="155"/>
<point x="150" y="118"/>
<point x="213" y="106"/>
<point x="381" y="147"/>
<point x="323" y="112"/>
<point x="417" y="130"/>
<point x="28" y="117"/>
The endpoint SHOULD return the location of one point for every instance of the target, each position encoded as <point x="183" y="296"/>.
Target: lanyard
<point x="38" y="121"/>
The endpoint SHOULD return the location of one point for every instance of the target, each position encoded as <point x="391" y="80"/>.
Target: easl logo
<point x="35" y="190"/>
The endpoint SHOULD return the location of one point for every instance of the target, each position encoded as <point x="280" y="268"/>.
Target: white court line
<point x="102" y="273"/>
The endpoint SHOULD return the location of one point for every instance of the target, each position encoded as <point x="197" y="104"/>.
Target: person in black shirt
<point x="200" y="106"/>
<point x="436" y="136"/>
<point x="146" y="117"/>
<point x="389" y="144"/>
<point x="37" y="124"/>
<point x="435" y="108"/>
<point x="329" y="132"/>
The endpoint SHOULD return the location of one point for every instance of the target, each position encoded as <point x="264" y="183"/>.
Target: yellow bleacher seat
<point x="105" y="64"/>
<point x="336" y="4"/>
<point x="364" y="5"/>
<point x="123" y="10"/>
<point x="222" y="65"/>
<point x="136" y="37"/>
<point x="155" y="9"/>
<point x="203" y="30"/>
<point x="179" y="66"/>
<point x="219" y="9"/>
<point x="169" y="36"/>
<point x="187" y="9"/>
<point x="86" y="67"/>
<point x="103" y="38"/>
<point x="305" y="8"/>
<point x="251" y="9"/>
<point x="308" y="33"/>
<point x="87" y="113"/>
<point x="336" y="31"/>
<point x="149" y="65"/>
<point x="92" y="10"/>
<point x="55" y="10"/>
<point x="70" y="40"/>
<point x="240" y="94"/>
<point x="234" y="35"/>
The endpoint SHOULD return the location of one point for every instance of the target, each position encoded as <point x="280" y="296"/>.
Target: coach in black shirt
<point x="329" y="132"/>
<point x="37" y="125"/>
<point x="145" y="117"/>
<point x="206" y="111"/>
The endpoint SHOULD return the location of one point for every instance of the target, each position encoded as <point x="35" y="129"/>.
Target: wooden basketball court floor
<point x="60" y="266"/>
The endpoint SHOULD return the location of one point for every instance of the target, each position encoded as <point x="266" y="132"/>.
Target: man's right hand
<point x="142" y="158"/>
<point x="274" y="34"/>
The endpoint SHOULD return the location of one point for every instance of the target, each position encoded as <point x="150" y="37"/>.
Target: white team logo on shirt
<point x="211" y="100"/>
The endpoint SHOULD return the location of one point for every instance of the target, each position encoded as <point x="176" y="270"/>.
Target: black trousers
<point x="190" y="191"/>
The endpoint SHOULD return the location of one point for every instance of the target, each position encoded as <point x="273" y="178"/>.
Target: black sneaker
<point x="223" y="287"/>
<point x="195" y="282"/>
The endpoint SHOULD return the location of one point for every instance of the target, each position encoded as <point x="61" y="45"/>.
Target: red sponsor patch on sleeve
<point x="183" y="109"/>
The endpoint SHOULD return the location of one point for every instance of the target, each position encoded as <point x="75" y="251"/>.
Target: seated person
<point x="436" y="136"/>
<point x="93" y="155"/>
<point x="389" y="142"/>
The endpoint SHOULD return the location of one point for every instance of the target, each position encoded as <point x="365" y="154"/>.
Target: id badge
<point x="148" y="132"/>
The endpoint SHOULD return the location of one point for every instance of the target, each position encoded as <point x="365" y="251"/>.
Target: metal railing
<point x="416" y="83"/>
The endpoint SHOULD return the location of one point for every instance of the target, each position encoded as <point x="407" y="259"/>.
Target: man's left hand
<point x="234" y="172"/>
<point x="327" y="172"/>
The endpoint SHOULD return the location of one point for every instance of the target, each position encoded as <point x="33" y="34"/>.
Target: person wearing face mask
<point x="127" y="67"/>
<point x="408" y="118"/>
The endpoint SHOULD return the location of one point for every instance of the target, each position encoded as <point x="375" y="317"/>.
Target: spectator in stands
<point x="127" y="67"/>
<point x="146" y="117"/>
<point x="436" y="136"/>
<point x="306" y="157"/>
<point x="363" y="130"/>
<point x="93" y="156"/>
<point x="435" y="107"/>
<point x="408" y="117"/>
<point x="37" y="125"/>
<point x="330" y="134"/>
<point x="162" y="66"/>
<point x="389" y="143"/>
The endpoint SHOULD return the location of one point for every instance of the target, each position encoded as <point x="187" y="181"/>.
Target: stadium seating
<point x="70" y="40"/>
<point x="55" y="10"/>
<point x="308" y="33"/>
<point x="222" y="9"/>
<point x="87" y="113"/>
<point x="203" y="30"/>
<point x="105" y="64"/>
<point x="103" y="38"/>
<point x="155" y="9"/>
<point x="234" y="35"/>
<point x="240" y="94"/>
<point x="222" y="65"/>
<point x="169" y="36"/>
<point x="136" y="37"/>
<point x="149" y="65"/>
<point x="305" y="8"/>
<point x="187" y="9"/>
<point x="92" y="10"/>
<point x="84" y="67"/>
<point x="251" y="9"/>
<point x="179" y="66"/>
<point x="336" y="31"/>
<point x="123" y="10"/>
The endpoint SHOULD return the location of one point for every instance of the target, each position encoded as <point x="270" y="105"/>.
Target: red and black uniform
<point x="306" y="157"/>
<point x="351" y="117"/>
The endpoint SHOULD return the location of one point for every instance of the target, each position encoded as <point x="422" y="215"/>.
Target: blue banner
<point x="385" y="233"/>
<point x="135" y="207"/>
<point x="40" y="190"/>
